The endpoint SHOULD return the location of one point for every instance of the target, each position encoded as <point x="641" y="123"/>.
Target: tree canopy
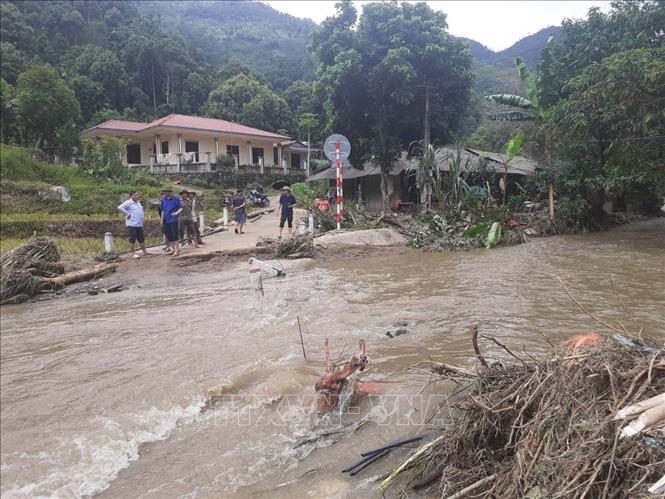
<point x="373" y="71"/>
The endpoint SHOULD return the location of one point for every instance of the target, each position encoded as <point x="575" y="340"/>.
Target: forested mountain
<point x="270" y="43"/>
<point x="528" y="49"/>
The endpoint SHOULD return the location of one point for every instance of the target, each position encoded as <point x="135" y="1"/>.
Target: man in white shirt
<point x="132" y="209"/>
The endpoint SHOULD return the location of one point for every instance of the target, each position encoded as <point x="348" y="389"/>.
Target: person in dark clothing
<point x="286" y="204"/>
<point x="331" y="196"/>
<point x="238" y="204"/>
<point x="171" y="208"/>
<point x="187" y="220"/>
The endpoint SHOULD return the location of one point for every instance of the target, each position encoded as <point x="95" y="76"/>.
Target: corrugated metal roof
<point x="182" y="121"/>
<point x="444" y="156"/>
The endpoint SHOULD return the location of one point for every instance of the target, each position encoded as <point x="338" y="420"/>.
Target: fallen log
<point x="228" y="252"/>
<point x="77" y="276"/>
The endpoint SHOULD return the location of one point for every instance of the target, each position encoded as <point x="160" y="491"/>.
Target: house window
<point x="192" y="146"/>
<point x="295" y="160"/>
<point x="133" y="154"/>
<point x="165" y="147"/>
<point x="275" y="156"/>
<point x="233" y="151"/>
<point x="257" y="152"/>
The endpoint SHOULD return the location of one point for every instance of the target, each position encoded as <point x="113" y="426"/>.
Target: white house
<point x="178" y="143"/>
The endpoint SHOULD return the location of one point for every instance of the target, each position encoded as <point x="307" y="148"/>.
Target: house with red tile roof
<point x="180" y="144"/>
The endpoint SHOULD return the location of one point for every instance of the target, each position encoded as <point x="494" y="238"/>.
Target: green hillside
<point x="270" y="43"/>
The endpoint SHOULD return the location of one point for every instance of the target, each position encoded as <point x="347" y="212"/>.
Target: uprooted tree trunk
<point x="77" y="276"/>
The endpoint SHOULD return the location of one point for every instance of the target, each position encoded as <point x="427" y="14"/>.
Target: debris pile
<point x="22" y="267"/>
<point x="34" y="268"/>
<point x="548" y="427"/>
<point x="299" y="246"/>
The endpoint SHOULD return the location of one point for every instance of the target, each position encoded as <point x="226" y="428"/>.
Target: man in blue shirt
<point x="171" y="208"/>
<point x="133" y="211"/>
<point x="286" y="204"/>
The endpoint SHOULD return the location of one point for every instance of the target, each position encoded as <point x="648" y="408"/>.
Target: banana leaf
<point x="511" y="100"/>
<point x="494" y="235"/>
<point x="475" y="230"/>
<point x="528" y="81"/>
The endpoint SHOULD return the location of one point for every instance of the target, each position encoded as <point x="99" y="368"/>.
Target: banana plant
<point x="534" y="111"/>
<point x="512" y="148"/>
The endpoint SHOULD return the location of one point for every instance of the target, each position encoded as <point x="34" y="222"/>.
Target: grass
<point x="80" y="249"/>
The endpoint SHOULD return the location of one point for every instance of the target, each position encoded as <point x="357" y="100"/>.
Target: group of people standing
<point x="180" y="223"/>
<point x="178" y="220"/>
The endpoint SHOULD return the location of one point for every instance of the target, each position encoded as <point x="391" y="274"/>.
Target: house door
<point x="295" y="160"/>
<point x="133" y="154"/>
<point x="191" y="146"/>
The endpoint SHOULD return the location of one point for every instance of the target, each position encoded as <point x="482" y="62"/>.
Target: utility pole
<point x="425" y="195"/>
<point x="426" y="124"/>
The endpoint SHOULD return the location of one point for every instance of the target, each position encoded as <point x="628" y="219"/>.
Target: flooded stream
<point x="111" y="394"/>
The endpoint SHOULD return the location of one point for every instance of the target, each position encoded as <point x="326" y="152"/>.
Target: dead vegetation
<point x="299" y="246"/>
<point x="546" y="427"/>
<point x="34" y="268"/>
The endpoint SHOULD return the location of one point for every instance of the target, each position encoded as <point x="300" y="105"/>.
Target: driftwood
<point x="388" y="220"/>
<point x="77" y="276"/>
<point x="229" y="252"/>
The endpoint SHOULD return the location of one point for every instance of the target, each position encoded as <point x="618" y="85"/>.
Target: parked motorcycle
<point x="256" y="198"/>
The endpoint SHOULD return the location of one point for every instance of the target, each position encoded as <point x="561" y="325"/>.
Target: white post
<point x="311" y="224"/>
<point x="226" y="216"/>
<point x="284" y="165"/>
<point x="202" y="222"/>
<point x="261" y="164"/>
<point x="236" y="160"/>
<point x="108" y="242"/>
<point x="216" y="149"/>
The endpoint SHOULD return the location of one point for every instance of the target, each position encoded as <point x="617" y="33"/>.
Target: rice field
<point x="78" y="249"/>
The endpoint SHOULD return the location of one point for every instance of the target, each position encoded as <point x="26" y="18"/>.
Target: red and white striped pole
<point x="340" y="190"/>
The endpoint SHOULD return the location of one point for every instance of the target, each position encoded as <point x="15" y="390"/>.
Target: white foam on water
<point x="104" y="453"/>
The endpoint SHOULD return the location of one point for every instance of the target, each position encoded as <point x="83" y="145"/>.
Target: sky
<point x="495" y="24"/>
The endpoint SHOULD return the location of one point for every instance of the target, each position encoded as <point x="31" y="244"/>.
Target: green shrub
<point x="226" y="160"/>
<point x="516" y="201"/>
<point x="572" y="214"/>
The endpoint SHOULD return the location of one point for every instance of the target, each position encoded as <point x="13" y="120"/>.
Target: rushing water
<point x="193" y="385"/>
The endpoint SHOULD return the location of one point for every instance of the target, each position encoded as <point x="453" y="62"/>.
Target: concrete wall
<point x="227" y="177"/>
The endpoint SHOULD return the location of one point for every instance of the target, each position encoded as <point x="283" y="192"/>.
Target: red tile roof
<point x="125" y="126"/>
<point x="191" y="122"/>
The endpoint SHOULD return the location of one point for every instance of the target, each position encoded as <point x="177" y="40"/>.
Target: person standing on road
<point x="186" y="220"/>
<point x="238" y="204"/>
<point x="286" y="204"/>
<point x="132" y="209"/>
<point x="171" y="208"/>
<point x="197" y="229"/>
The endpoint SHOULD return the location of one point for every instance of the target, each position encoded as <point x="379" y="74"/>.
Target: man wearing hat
<point x="286" y="204"/>
<point x="171" y="207"/>
<point x="186" y="219"/>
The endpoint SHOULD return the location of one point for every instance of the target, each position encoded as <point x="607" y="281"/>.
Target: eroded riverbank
<point x="105" y="394"/>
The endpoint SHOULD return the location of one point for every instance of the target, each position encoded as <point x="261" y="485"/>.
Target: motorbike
<point x="256" y="198"/>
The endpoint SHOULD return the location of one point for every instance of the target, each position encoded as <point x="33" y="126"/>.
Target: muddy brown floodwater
<point x="111" y="394"/>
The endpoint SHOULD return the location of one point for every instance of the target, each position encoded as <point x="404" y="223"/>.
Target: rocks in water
<point x="397" y="329"/>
